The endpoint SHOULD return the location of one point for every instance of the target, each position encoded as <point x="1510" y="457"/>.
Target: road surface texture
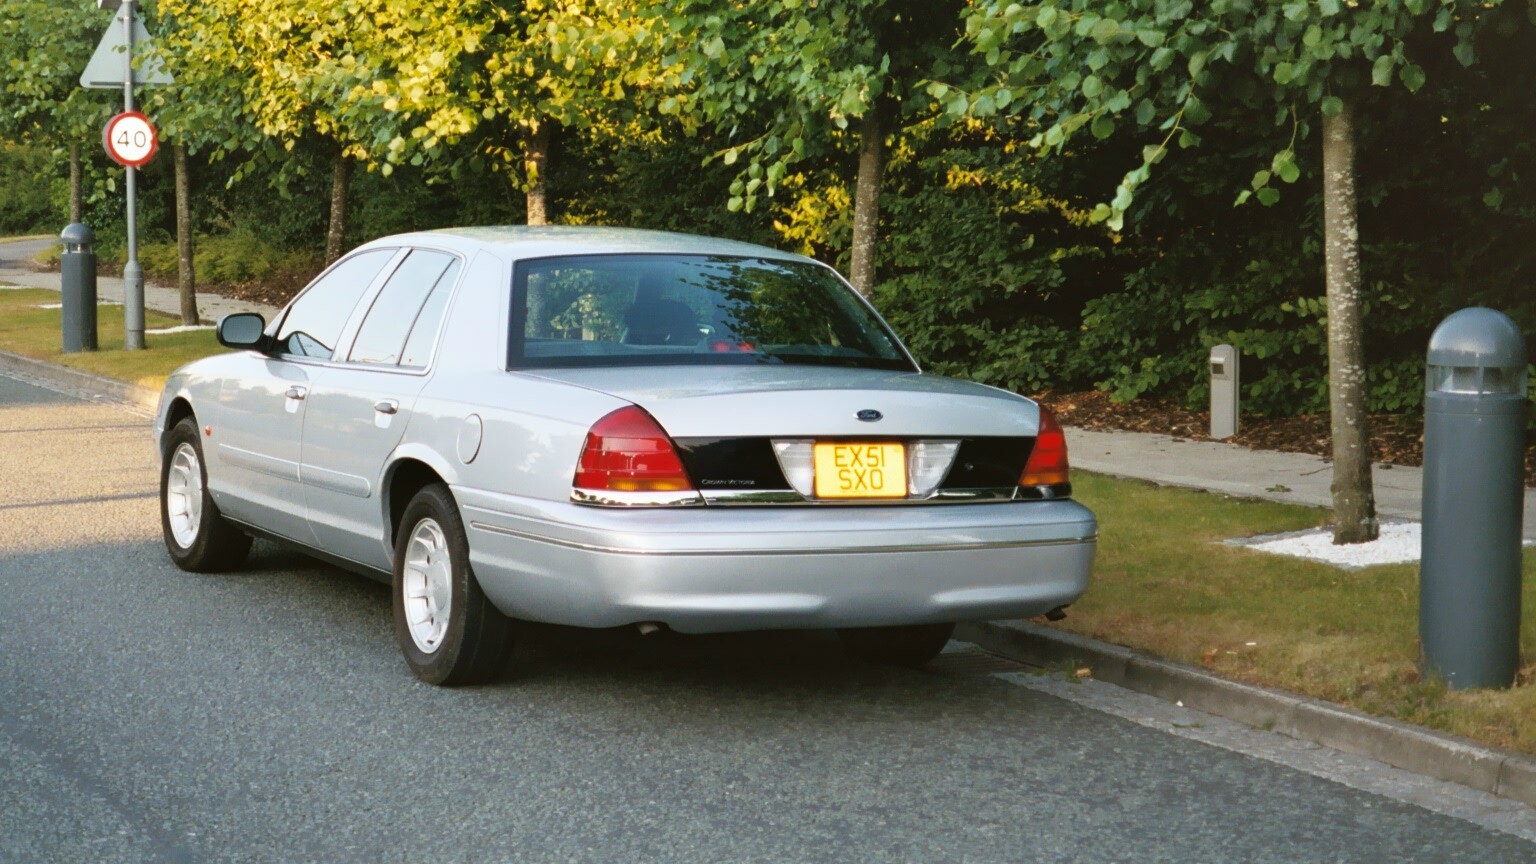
<point x="151" y="715"/>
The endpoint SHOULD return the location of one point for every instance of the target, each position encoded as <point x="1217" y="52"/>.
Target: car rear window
<point x="631" y="310"/>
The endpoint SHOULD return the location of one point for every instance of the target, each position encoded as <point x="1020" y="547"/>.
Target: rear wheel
<point x="448" y="631"/>
<point x="911" y="645"/>
<point x="198" y="538"/>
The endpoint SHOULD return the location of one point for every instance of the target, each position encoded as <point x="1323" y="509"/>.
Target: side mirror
<point x="242" y="330"/>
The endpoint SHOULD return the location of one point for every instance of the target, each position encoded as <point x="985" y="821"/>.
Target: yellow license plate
<point x="860" y="470"/>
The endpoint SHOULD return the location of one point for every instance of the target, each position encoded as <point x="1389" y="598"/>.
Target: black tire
<point x="474" y="637"/>
<point x="912" y="645"/>
<point x="207" y="542"/>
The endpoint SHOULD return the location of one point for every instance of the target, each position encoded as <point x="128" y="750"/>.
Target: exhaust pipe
<point x="1056" y="614"/>
<point x="648" y="628"/>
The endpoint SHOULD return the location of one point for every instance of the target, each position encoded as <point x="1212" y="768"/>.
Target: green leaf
<point x="1464" y="53"/>
<point x="1381" y="70"/>
<point x="1332" y="105"/>
<point x="1413" y="77"/>
<point x="1284" y="73"/>
<point x="1268" y="196"/>
<point x="1092" y="86"/>
<point x="1105" y="30"/>
<point x="1260" y="180"/>
<point x="1328" y="8"/>
<point x="1289" y="172"/>
<point x="1103" y="126"/>
<point x="730" y="156"/>
<point x="1493" y="198"/>
<point x="1146" y="112"/>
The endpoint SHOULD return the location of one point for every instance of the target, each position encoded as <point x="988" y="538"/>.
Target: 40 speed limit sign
<point x="130" y="139"/>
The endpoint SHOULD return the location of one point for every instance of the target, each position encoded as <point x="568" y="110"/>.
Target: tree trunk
<point x="1354" y="502"/>
<point x="186" y="276"/>
<point x="75" y="172"/>
<point x="535" y="160"/>
<point x="866" y="201"/>
<point x="336" y="235"/>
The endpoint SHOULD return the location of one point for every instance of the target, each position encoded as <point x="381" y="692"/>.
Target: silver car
<point x="602" y="428"/>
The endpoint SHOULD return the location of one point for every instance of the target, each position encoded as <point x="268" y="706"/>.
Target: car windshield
<point x="629" y="310"/>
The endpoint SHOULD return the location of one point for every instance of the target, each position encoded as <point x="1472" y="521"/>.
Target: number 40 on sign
<point x="130" y="139"/>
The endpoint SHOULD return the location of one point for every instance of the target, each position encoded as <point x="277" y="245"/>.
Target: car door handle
<point x="386" y="406"/>
<point x="296" y="392"/>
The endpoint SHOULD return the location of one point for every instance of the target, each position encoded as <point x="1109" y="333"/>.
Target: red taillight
<point x="1047" y="465"/>
<point x="628" y="451"/>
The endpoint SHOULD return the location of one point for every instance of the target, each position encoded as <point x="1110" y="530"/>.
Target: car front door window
<point x="316" y="319"/>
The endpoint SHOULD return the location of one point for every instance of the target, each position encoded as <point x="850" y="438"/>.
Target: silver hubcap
<point x="428" y="585"/>
<point x="184" y="496"/>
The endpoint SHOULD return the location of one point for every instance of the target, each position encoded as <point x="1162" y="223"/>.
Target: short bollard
<point x="1474" y="492"/>
<point x="1224" y="392"/>
<point x="77" y="268"/>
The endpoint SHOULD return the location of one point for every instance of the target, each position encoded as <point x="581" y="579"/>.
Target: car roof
<point x="542" y="241"/>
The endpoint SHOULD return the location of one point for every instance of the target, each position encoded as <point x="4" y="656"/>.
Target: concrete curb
<point x="1412" y="748"/>
<point x="82" y="383"/>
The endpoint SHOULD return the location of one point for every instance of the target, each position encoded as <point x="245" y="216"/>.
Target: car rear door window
<point x="400" y="303"/>
<point x="418" y="345"/>
<point x="316" y="319"/>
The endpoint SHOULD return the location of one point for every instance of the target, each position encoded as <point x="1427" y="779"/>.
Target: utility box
<point x="1224" y="384"/>
<point x="77" y="275"/>
<point x="1474" y="494"/>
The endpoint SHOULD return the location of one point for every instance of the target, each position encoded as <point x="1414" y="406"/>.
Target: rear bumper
<point x="701" y="570"/>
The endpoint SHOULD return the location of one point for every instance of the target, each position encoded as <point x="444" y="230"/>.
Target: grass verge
<point x="1165" y="583"/>
<point x="28" y="329"/>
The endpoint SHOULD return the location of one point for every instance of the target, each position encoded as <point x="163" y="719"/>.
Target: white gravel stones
<point x="1398" y="543"/>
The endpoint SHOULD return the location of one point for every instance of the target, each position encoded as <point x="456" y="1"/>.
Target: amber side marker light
<point x="1047" y="465"/>
<point x="628" y="451"/>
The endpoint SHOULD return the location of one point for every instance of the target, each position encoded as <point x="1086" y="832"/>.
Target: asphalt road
<point x="149" y="715"/>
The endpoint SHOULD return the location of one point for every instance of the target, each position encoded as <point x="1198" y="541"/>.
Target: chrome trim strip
<point x="609" y="498"/>
<point x="911" y="547"/>
<point x="781" y="497"/>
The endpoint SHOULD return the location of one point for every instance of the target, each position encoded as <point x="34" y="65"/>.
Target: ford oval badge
<point x="869" y="415"/>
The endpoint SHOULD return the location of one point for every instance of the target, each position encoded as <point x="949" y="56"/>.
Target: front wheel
<point x="198" y="538"/>
<point x="912" y="645"/>
<point x="448" y="631"/>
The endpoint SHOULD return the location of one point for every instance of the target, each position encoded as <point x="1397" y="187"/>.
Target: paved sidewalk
<point x="1293" y="478"/>
<point x="16" y="268"/>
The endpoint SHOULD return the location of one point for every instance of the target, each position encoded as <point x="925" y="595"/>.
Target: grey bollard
<point x="1474" y="491"/>
<point x="77" y="271"/>
<point x="1224" y="392"/>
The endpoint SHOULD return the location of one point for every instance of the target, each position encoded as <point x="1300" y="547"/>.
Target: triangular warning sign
<point x="105" y="71"/>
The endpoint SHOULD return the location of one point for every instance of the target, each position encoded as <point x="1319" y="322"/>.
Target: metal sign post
<point x="133" y="274"/>
<point x="102" y="72"/>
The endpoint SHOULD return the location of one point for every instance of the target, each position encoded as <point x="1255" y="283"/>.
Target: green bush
<point x="232" y="259"/>
<point x="26" y="181"/>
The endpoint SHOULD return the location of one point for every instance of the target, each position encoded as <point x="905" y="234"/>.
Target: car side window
<point x="399" y="304"/>
<point x="418" y="345"/>
<point x="316" y="319"/>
